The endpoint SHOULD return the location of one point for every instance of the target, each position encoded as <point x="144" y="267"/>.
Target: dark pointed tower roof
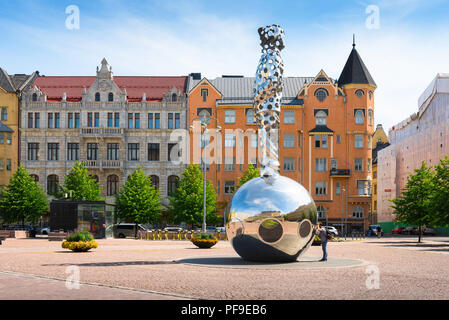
<point x="355" y="71"/>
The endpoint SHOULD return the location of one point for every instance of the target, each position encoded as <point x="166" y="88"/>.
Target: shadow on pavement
<point x="112" y="264"/>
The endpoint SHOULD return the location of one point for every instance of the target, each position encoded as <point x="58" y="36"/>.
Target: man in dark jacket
<point x="322" y="233"/>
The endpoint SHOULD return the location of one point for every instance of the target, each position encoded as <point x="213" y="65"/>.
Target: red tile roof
<point x="154" y="87"/>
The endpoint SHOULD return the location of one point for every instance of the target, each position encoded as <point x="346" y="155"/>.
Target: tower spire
<point x="353" y="40"/>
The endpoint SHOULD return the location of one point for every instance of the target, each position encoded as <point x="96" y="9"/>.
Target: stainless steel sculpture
<point x="271" y="218"/>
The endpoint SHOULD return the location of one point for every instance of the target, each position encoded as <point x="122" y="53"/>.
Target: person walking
<point x="379" y="231"/>
<point x="322" y="233"/>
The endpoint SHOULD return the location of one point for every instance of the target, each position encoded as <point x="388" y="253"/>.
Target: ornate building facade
<point x="325" y="137"/>
<point x="113" y="123"/>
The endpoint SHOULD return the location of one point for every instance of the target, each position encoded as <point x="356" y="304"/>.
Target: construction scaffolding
<point x="424" y="136"/>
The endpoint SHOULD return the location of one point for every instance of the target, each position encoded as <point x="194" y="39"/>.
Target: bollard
<point x="148" y="236"/>
<point x="166" y="235"/>
<point x="179" y="235"/>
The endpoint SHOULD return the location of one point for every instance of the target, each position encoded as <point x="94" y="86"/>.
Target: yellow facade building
<point x="10" y="90"/>
<point x="379" y="141"/>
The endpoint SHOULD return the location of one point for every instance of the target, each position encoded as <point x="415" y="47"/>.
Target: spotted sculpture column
<point x="268" y="88"/>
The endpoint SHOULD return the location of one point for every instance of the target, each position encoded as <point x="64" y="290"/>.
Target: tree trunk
<point x="419" y="234"/>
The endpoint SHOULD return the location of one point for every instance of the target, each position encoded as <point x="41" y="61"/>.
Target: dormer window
<point x="34" y="98"/>
<point x="321" y="94"/>
<point x="110" y="97"/>
<point x="321" y="117"/>
<point x="359" y="93"/>
<point x="204" y="94"/>
<point x="97" y="96"/>
<point x="174" y="97"/>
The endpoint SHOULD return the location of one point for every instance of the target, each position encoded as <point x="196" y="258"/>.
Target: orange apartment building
<point x="324" y="140"/>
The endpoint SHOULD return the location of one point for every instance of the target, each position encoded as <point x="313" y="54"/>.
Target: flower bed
<point x="80" y="242"/>
<point x="204" y="240"/>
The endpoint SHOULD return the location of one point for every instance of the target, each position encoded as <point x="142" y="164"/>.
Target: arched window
<point x="174" y="97"/>
<point x="52" y="184"/>
<point x="359" y="93"/>
<point x="110" y="97"/>
<point x="204" y="116"/>
<point x="321" y="212"/>
<point x="97" y="96"/>
<point x="370" y="117"/>
<point x="321" y="118"/>
<point x="34" y="97"/>
<point x="155" y="181"/>
<point x="357" y="212"/>
<point x="172" y="184"/>
<point x="34" y="177"/>
<point x="250" y="116"/>
<point x="321" y="94"/>
<point x="370" y="93"/>
<point x="359" y="117"/>
<point x="112" y="185"/>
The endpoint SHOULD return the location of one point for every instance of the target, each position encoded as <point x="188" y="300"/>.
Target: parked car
<point x="221" y="229"/>
<point x="332" y="230"/>
<point x="428" y="231"/>
<point x="398" y="230"/>
<point x="124" y="230"/>
<point x="45" y="230"/>
<point x="410" y="230"/>
<point x="173" y="229"/>
<point x="372" y="230"/>
<point x="211" y="229"/>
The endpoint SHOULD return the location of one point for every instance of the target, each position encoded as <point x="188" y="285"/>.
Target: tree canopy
<point x="138" y="200"/>
<point x="423" y="200"/>
<point x="249" y="174"/>
<point x="186" y="202"/>
<point x="82" y="185"/>
<point x="23" y="199"/>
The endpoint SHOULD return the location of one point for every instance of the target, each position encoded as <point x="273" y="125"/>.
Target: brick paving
<point x="149" y="270"/>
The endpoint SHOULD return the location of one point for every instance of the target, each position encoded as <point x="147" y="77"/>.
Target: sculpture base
<point x="271" y="222"/>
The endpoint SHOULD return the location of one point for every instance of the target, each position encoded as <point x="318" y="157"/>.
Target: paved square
<point x="139" y="269"/>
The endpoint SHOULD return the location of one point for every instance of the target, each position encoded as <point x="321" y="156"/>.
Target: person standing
<point x="322" y="233"/>
<point x="379" y="231"/>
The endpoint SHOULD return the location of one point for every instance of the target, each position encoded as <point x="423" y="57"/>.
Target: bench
<point x="57" y="236"/>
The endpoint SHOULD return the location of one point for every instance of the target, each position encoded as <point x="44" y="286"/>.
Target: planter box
<point x="7" y="234"/>
<point x="21" y="234"/>
<point x="57" y="236"/>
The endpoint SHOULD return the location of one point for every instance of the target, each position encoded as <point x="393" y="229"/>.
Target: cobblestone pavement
<point x="139" y="269"/>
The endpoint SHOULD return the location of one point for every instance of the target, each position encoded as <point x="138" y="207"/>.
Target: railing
<point x="102" y="131"/>
<point x="340" y="172"/>
<point x="103" y="164"/>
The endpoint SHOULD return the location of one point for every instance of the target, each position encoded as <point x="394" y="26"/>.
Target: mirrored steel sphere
<point x="271" y="222"/>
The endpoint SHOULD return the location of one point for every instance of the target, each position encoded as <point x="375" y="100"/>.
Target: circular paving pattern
<point x="303" y="263"/>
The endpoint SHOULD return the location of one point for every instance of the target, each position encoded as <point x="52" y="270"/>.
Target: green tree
<point x="138" y="200"/>
<point x="249" y="174"/>
<point x="416" y="204"/>
<point x="441" y="188"/>
<point x="23" y="199"/>
<point x="186" y="202"/>
<point x="83" y="186"/>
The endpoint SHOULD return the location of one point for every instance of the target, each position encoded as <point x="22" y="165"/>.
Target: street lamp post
<point x="341" y="201"/>
<point x="203" y="163"/>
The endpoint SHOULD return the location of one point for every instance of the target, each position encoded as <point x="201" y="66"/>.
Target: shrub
<point x="83" y="235"/>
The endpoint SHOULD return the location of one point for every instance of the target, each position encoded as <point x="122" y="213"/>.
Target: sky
<point x="403" y="43"/>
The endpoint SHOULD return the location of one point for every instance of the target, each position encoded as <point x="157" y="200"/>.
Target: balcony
<point x="340" y="172"/>
<point x="93" y="132"/>
<point x="103" y="164"/>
